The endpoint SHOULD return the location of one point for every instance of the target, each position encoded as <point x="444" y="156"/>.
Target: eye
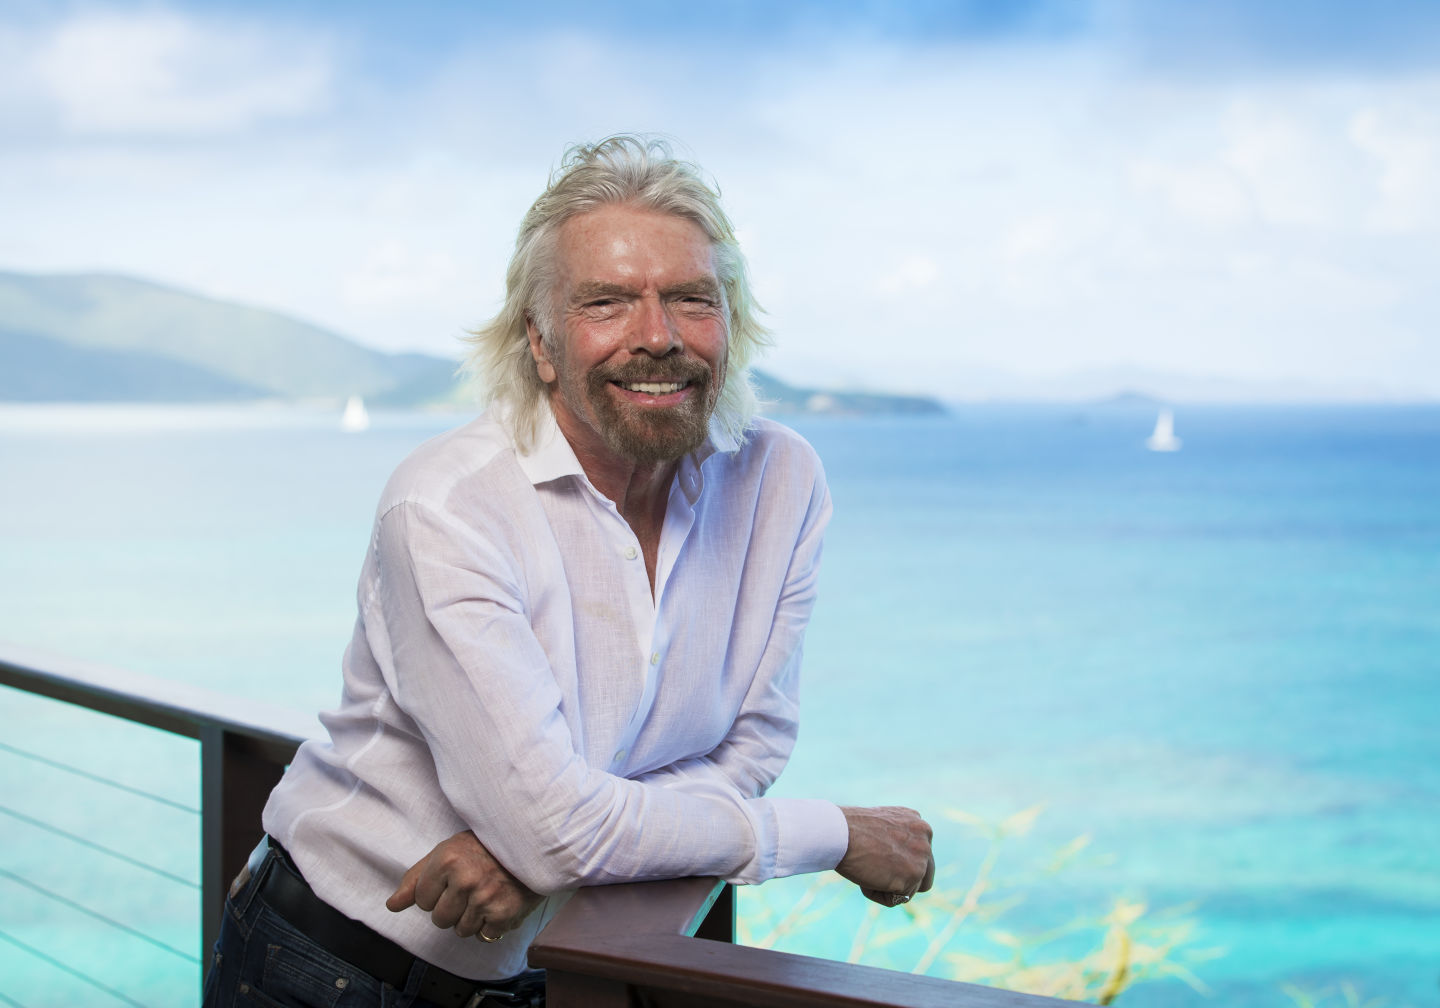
<point x="697" y="302"/>
<point x="601" y="308"/>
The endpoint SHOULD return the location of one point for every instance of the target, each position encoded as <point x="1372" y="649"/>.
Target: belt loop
<point x="255" y="866"/>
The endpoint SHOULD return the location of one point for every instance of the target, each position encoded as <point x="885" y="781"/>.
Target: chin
<point x="656" y="440"/>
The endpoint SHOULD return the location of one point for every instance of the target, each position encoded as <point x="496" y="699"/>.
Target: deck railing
<point x="654" y="943"/>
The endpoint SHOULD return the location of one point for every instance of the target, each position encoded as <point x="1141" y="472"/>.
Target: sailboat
<point x="1163" y="438"/>
<point x="355" y="418"/>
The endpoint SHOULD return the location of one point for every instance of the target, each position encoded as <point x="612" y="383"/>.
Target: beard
<point x="663" y="434"/>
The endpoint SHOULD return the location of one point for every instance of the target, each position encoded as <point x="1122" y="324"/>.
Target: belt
<point x="287" y="892"/>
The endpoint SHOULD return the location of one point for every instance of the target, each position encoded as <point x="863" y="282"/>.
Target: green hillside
<point x="98" y="337"/>
<point x="38" y="369"/>
<point x="780" y="398"/>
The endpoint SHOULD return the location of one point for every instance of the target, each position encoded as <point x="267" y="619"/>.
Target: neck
<point x="639" y="491"/>
<point x="641" y="494"/>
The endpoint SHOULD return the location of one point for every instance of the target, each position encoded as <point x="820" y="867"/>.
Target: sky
<point x="965" y="199"/>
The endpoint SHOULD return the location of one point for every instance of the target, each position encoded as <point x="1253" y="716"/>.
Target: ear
<point x="537" y="351"/>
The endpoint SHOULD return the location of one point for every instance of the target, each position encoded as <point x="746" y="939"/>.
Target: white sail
<point x="1163" y="438"/>
<point x="355" y="418"/>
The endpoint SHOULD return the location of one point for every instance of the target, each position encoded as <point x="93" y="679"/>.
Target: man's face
<point x="638" y="360"/>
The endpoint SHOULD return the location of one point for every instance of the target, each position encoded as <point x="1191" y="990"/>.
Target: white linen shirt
<point x="511" y="673"/>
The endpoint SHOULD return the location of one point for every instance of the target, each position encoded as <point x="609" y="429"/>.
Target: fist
<point x="463" y="887"/>
<point x="889" y="855"/>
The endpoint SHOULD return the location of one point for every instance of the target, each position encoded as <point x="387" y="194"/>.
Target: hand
<point x="889" y="856"/>
<point x="463" y="887"/>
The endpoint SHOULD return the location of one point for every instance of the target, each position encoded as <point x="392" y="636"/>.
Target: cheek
<point x="712" y="344"/>
<point x="720" y="357"/>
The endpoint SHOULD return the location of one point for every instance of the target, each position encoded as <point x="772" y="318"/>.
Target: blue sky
<point x="962" y="198"/>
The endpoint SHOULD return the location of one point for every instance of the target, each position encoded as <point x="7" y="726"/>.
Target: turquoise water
<point x="1221" y="664"/>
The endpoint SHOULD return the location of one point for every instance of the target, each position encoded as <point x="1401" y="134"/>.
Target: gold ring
<point x="486" y="938"/>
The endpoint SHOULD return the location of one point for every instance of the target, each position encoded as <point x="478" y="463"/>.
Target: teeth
<point x="654" y="388"/>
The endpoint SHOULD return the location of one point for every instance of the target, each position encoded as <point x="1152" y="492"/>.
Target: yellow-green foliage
<point x="1344" y="996"/>
<point x="957" y="929"/>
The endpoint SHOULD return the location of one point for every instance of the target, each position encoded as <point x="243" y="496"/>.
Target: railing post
<point x="576" y="990"/>
<point x="236" y="779"/>
<point x="719" y="922"/>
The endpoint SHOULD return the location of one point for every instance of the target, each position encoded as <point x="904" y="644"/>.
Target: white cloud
<point x="158" y="72"/>
<point x="1294" y="159"/>
<point x="1209" y="195"/>
<point x="1405" y="141"/>
<point x="913" y="273"/>
<point x="1035" y="237"/>
<point x="394" y="273"/>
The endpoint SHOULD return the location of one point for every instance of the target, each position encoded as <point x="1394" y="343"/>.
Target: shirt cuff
<point x="811" y="835"/>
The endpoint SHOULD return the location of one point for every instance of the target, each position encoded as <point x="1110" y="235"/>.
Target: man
<point x="577" y="653"/>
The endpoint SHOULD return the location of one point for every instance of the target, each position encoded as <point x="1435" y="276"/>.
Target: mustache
<point x="686" y="370"/>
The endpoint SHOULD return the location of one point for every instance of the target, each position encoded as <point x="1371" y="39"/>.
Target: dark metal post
<point x="719" y="923"/>
<point x="576" y="990"/>
<point x="236" y="779"/>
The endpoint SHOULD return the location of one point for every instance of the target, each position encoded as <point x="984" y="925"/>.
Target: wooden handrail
<point x="622" y="945"/>
<point x="179" y="708"/>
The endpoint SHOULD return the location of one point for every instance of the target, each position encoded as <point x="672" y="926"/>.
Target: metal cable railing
<point x="98" y="778"/>
<point x="51" y="828"/>
<point x="64" y="967"/>
<point x="45" y="855"/>
<point x="101" y="898"/>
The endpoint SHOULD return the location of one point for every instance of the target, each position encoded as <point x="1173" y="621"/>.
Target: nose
<point x="654" y="331"/>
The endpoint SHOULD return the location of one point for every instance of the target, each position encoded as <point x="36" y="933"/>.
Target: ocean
<point x="1219" y="666"/>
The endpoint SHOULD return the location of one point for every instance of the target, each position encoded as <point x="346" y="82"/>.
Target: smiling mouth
<point x="653" y="388"/>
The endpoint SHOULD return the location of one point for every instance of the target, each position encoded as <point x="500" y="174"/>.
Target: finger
<point x="471" y="921"/>
<point x="404" y="894"/>
<point x="929" y="879"/>
<point x="448" y="909"/>
<point x="430" y="886"/>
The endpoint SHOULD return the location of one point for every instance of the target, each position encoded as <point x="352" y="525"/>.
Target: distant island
<point x="107" y="338"/>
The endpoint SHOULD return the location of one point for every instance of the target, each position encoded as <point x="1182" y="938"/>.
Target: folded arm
<point x="581" y="826"/>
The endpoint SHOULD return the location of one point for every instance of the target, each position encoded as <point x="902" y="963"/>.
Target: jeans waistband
<point x="289" y="895"/>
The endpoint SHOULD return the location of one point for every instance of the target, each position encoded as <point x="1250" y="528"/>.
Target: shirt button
<point x="631" y="552"/>
<point x="619" y="755"/>
<point x="655" y="658"/>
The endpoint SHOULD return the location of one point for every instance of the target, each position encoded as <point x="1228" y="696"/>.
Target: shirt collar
<point x="550" y="456"/>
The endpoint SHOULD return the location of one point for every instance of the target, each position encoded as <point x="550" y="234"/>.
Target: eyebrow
<point x="598" y="289"/>
<point x="704" y="286"/>
<point x="590" y="289"/>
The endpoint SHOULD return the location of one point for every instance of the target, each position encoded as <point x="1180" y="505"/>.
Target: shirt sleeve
<point x="460" y="659"/>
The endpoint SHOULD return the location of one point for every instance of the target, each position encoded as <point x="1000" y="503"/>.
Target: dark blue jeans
<point x="261" y="960"/>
